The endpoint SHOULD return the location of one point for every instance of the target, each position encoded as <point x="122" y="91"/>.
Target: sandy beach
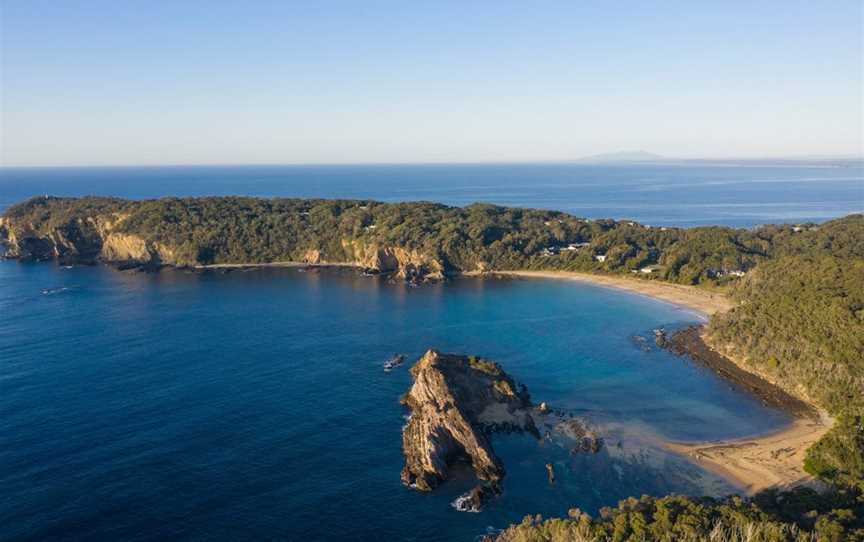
<point x="274" y="264"/>
<point x="773" y="460"/>
<point x="705" y="302"/>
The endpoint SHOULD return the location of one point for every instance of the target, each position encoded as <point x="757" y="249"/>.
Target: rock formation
<point x="583" y="437"/>
<point x="473" y="500"/>
<point x="405" y="264"/>
<point x="456" y="402"/>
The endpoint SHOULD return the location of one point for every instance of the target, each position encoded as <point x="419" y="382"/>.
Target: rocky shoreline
<point x="689" y="341"/>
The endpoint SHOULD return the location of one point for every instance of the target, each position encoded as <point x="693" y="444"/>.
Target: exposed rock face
<point x="131" y="249"/>
<point x="83" y="241"/>
<point x="455" y="402"/>
<point x="312" y="256"/>
<point x="101" y="237"/>
<point x="72" y="241"/>
<point x="405" y="264"/>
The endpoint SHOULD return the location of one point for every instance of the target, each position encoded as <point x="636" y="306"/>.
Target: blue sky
<point x="192" y="82"/>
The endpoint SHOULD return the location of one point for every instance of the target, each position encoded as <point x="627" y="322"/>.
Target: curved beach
<point x="755" y="463"/>
<point x="704" y="302"/>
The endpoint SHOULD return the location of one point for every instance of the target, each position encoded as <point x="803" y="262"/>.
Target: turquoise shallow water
<point x="253" y="405"/>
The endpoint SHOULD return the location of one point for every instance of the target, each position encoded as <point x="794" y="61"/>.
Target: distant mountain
<point x="627" y="156"/>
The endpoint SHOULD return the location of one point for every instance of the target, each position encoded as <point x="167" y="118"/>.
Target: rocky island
<point x="456" y="403"/>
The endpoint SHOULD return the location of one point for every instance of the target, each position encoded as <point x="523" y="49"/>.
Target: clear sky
<point x="99" y="82"/>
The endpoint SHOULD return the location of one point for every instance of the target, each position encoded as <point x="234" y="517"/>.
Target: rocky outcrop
<point x="456" y="402"/>
<point x="583" y="437"/>
<point x="124" y="247"/>
<point x="690" y="342"/>
<point x="411" y="265"/>
<point x="80" y="240"/>
<point x="312" y="256"/>
<point x="72" y="241"/>
<point x="473" y="500"/>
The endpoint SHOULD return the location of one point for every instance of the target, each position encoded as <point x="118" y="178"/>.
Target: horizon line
<point x="586" y="160"/>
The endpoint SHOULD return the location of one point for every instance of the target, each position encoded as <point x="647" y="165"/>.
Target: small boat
<point x="393" y="362"/>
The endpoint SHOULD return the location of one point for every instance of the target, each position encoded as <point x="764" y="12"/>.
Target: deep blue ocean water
<point x="253" y="405"/>
<point x="686" y="195"/>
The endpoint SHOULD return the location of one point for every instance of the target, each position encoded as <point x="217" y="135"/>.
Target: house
<point x="648" y="269"/>
<point x="600" y="257"/>
<point x="717" y="273"/>
<point x="576" y="246"/>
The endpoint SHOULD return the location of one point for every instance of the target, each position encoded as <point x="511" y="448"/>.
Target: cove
<point x="253" y="404"/>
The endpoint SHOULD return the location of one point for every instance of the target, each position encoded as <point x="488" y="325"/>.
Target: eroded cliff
<point x="47" y="229"/>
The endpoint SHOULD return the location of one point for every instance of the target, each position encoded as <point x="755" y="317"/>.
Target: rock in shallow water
<point x="473" y="500"/>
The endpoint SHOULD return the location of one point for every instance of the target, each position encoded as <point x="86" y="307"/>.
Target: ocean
<point x="685" y="195"/>
<point x="252" y="404"/>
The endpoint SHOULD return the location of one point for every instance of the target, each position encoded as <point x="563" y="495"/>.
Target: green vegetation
<point x="484" y="366"/>
<point x="801" y="515"/>
<point x="799" y="320"/>
<point x="252" y="230"/>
